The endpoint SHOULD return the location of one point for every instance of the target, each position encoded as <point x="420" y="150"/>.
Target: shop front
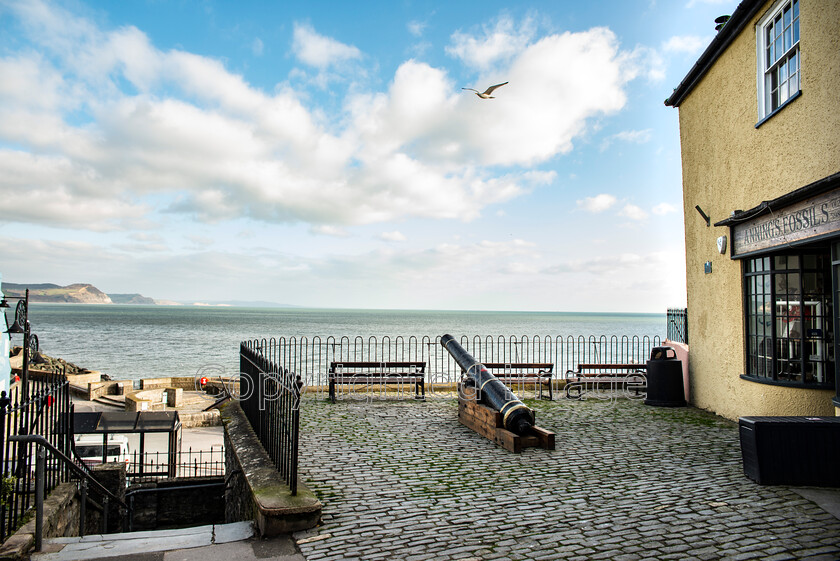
<point x="789" y="249"/>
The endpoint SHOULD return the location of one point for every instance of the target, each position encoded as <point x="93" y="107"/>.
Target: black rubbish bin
<point x="664" y="379"/>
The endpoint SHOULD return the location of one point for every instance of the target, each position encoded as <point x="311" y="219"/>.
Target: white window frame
<point x="791" y="57"/>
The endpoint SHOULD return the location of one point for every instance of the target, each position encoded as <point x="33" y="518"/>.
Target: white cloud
<point x="199" y="140"/>
<point x="633" y="212"/>
<point x="320" y="51"/>
<point x="492" y="44"/>
<point x="663" y="208"/>
<point x="257" y="46"/>
<point x="644" y="61"/>
<point x="394" y="236"/>
<point x="598" y="203"/>
<point x="416" y="28"/>
<point x="634" y="137"/>
<point x="685" y="44"/>
<point x="327" y="230"/>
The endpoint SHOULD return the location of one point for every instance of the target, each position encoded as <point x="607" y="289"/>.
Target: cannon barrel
<point x="516" y="416"/>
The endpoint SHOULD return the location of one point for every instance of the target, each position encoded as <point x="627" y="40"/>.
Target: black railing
<point x="270" y="398"/>
<point x="311" y="357"/>
<point x="678" y="325"/>
<point x="188" y="464"/>
<point x="80" y="472"/>
<point x="43" y="410"/>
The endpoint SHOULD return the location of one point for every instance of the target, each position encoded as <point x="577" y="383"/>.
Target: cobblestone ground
<point x="405" y="480"/>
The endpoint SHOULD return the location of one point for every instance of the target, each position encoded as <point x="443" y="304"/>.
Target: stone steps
<point x="111" y="401"/>
<point x="99" y="546"/>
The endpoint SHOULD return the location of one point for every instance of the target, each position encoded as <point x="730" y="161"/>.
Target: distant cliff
<point x="131" y="299"/>
<point x="72" y="294"/>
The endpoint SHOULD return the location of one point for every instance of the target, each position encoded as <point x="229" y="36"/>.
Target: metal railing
<point x="270" y="399"/>
<point x="188" y="464"/>
<point x="86" y="481"/>
<point x="310" y="358"/>
<point x="677" y="320"/>
<point x="42" y="409"/>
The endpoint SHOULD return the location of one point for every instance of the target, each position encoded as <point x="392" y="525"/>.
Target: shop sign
<point x="807" y="219"/>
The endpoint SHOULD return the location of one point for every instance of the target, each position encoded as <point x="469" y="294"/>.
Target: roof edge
<point x="742" y="15"/>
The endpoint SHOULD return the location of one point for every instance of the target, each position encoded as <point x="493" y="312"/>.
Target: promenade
<point x="405" y="480"/>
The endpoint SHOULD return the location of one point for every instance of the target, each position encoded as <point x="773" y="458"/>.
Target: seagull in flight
<point x="487" y="92"/>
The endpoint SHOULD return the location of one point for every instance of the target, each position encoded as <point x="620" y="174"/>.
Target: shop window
<point x="790" y="324"/>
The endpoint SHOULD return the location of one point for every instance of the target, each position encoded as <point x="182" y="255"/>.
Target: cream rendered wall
<point x="728" y="164"/>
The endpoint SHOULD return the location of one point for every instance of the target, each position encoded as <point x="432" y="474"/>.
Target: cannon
<point x="516" y="416"/>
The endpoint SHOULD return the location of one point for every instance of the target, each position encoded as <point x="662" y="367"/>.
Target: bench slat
<point x="377" y="372"/>
<point x="539" y="365"/>
<point x="388" y="379"/>
<point x="610" y="367"/>
<point x="420" y="365"/>
<point x="512" y="371"/>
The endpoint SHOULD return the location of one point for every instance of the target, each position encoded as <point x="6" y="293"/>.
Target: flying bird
<point x="487" y="92"/>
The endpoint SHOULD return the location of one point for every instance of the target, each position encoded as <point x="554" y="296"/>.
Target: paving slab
<point x="626" y="481"/>
<point x="102" y="546"/>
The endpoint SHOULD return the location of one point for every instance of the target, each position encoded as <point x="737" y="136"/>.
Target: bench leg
<point x="418" y="387"/>
<point x="332" y="390"/>
<point x="570" y="386"/>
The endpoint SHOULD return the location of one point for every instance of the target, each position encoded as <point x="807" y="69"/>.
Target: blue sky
<point x="324" y="154"/>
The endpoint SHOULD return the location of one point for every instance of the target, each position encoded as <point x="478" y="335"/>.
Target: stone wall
<point x="61" y="518"/>
<point x="158" y="398"/>
<point x="255" y="491"/>
<point x="184" y="382"/>
<point x="98" y="389"/>
<point x="239" y="504"/>
<point x="61" y="513"/>
<point x="200" y="419"/>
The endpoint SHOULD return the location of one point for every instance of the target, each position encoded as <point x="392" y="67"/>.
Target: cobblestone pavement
<point x="405" y="480"/>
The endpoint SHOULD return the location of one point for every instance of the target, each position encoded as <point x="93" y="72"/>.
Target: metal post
<point x="105" y="514"/>
<point x="40" y="460"/>
<point x="83" y="507"/>
<point x="25" y="366"/>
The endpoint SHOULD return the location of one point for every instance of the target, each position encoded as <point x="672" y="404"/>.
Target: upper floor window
<point x="778" y="57"/>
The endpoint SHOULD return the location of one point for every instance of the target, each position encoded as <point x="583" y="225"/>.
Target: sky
<point x="324" y="154"/>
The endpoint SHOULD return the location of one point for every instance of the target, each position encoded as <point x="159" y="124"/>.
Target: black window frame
<point x="763" y="325"/>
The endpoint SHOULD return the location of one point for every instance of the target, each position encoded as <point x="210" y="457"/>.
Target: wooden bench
<point x="354" y="372"/>
<point x="538" y="373"/>
<point x="629" y="376"/>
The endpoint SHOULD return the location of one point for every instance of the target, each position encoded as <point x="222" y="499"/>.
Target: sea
<point x="130" y="342"/>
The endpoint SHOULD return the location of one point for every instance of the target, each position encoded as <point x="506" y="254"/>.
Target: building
<point x="759" y="117"/>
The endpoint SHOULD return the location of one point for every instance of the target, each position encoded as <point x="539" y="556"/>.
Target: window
<point x="790" y="327"/>
<point x="778" y="57"/>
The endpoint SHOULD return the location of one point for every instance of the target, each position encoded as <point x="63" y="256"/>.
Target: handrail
<point x="40" y="440"/>
<point x="175" y="488"/>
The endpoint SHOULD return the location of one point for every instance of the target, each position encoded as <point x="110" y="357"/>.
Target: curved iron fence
<point x="310" y="358"/>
